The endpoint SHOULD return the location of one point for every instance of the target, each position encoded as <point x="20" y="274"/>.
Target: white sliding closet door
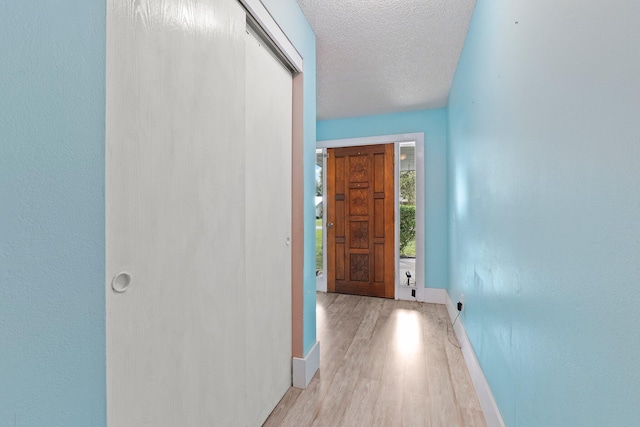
<point x="175" y="214"/>
<point x="268" y="214"/>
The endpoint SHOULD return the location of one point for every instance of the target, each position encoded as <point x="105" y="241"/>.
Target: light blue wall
<point x="292" y="21"/>
<point x="544" y="161"/>
<point x="52" y="315"/>
<point x="434" y="125"/>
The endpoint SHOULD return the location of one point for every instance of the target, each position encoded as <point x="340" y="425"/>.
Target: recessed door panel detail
<point x="339" y="269"/>
<point x="379" y="262"/>
<point x="359" y="234"/>
<point x="378" y="170"/>
<point x="359" y="265"/>
<point x="339" y="222"/>
<point x="378" y="218"/>
<point x="360" y="204"/>
<point x="339" y="175"/>
<point x="359" y="169"/>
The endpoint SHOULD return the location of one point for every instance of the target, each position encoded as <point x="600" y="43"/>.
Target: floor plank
<point x="280" y="412"/>
<point x="383" y="363"/>
<point x="360" y="409"/>
<point x="306" y="405"/>
<point x="415" y="410"/>
<point x="472" y="417"/>
<point x="461" y="380"/>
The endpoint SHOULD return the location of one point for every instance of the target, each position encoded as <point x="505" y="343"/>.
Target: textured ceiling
<point x="385" y="56"/>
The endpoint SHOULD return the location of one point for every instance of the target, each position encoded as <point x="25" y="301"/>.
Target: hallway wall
<point x="52" y="309"/>
<point x="544" y="184"/>
<point x="433" y="124"/>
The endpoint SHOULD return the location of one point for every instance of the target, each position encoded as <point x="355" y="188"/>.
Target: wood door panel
<point x="358" y="201"/>
<point x="378" y="181"/>
<point x="360" y="205"/>
<point x="359" y="235"/>
<point x="362" y="288"/>
<point x="359" y="267"/>
<point x="340" y="255"/>
<point x="359" y="169"/>
<point x="339" y="175"/>
<point x="378" y="218"/>
<point x="379" y="262"/>
<point x="339" y="222"/>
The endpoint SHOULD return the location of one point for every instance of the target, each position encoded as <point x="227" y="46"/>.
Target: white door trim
<point x="396" y="139"/>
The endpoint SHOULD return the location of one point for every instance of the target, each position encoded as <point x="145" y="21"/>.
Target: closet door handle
<point x="121" y="282"/>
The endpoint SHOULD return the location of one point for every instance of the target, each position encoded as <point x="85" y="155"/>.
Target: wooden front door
<point x="360" y="220"/>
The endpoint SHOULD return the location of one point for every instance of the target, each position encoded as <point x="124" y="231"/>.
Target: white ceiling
<point x="385" y="56"/>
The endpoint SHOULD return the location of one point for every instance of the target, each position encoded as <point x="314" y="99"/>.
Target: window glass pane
<point x="407" y="212"/>
<point x="319" y="211"/>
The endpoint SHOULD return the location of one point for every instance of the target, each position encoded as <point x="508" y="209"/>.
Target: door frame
<point x="400" y="292"/>
<point x="263" y="18"/>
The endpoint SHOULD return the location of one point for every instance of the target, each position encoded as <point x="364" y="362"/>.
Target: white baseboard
<point x="433" y="295"/>
<point x="321" y="283"/>
<point x="403" y="292"/>
<point x="485" y="396"/>
<point x="305" y="369"/>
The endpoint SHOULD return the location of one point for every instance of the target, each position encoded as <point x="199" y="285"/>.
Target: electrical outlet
<point x="461" y="303"/>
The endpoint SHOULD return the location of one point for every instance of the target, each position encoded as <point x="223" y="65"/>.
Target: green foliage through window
<point x="407" y="226"/>
<point x="408" y="187"/>
<point x="319" y="184"/>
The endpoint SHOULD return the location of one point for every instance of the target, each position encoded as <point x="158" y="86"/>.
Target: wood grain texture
<point x="360" y="410"/>
<point x="360" y="204"/>
<point x="282" y="408"/>
<point x="383" y="363"/>
<point x="180" y="347"/>
<point x="415" y="410"/>
<point x="175" y="132"/>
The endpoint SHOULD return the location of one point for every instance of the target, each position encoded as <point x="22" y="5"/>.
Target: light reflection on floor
<point x="408" y="332"/>
<point x="320" y="315"/>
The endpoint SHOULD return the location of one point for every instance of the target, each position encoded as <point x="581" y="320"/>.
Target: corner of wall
<point x="305" y="368"/>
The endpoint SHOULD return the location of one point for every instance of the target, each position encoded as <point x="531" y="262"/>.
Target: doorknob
<point x="329" y="224"/>
<point x="121" y="282"/>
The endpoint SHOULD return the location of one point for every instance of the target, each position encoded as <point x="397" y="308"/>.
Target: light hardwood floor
<point x="383" y="363"/>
